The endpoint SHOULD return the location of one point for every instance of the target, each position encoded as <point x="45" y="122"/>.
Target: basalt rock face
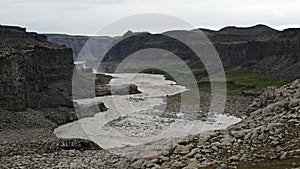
<point x="257" y="49"/>
<point x="17" y="37"/>
<point x="34" y="73"/>
<point x="76" y="42"/>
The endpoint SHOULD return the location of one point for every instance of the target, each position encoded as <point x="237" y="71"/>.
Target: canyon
<point x="36" y="98"/>
<point x="256" y="49"/>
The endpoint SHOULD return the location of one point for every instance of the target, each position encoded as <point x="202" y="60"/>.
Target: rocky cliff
<point x="77" y="42"/>
<point x="259" y="49"/>
<point x="34" y="72"/>
<point x="256" y="49"/>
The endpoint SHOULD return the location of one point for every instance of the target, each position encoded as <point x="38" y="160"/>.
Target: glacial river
<point x="131" y="120"/>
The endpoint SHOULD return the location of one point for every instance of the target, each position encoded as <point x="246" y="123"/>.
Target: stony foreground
<point x="27" y="141"/>
<point x="66" y="159"/>
<point x="267" y="138"/>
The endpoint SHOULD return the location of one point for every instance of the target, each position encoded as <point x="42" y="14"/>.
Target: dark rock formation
<point x="102" y="90"/>
<point x="89" y="110"/>
<point x="17" y="37"/>
<point x="46" y="146"/>
<point x="76" y="144"/>
<point x="34" y="73"/>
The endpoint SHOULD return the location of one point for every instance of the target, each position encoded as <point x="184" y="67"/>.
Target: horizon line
<point x="277" y="28"/>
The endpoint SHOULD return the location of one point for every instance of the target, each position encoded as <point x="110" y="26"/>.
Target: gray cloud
<point x="86" y="17"/>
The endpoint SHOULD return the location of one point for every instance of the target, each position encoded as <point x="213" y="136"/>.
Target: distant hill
<point x="253" y="30"/>
<point x="256" y="49"/>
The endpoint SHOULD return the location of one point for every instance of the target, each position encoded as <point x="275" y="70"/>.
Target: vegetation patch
<point x="103" y="78"/>
<point x="239" y="82"/>
<point x="160" y="72"/>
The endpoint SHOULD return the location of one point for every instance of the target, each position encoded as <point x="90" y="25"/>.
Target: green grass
<point x="158" y="71"/>
<point x="191" y="98"/>
<point x="103" y="79"/>
<point x="238" y="81"/>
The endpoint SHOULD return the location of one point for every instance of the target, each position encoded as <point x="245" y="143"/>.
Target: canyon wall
<point x="256" y="49"/>
<point x="34" y="73"/>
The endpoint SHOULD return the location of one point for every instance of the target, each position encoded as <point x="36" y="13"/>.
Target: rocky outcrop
<point x="34" y="73"/>
<point x="89" y="110"/>
<point x="270" y="133"/>
<point x="17" y="37"/>
<point x="103" y="90"/>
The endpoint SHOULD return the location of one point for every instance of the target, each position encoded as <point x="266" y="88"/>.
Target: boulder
<point x="180" y="149"/>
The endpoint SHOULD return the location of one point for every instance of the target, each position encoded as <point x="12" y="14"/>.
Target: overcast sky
<point x="88" y="16"/>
